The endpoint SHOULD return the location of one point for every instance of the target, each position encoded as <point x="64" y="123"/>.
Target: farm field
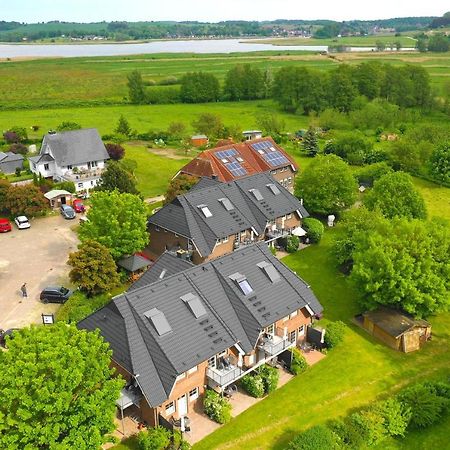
<point x="98" y="81"/>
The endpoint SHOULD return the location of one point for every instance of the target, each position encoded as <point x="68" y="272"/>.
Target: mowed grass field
<point x="72" y="82"/>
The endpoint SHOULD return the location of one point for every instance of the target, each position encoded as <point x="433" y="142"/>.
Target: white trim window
<point x="270" y="329"/>
<point x="46" y="167"/>
<point x="224" y="240"/>
<point x="293" y="336"/>
<point x="193" y="394"/>
<point x="301" y="331"/>
<point x="170" y="408"/>
<point x="293" y="314"/>
<point x="181" y="376"/>
<point x="212" y="362"/>
<point x="191" y="371"/>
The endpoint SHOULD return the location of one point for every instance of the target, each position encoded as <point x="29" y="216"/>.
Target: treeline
<point x="296" y="89"/>
<point x="438" y="42"/>
<point x="414" y="408"/>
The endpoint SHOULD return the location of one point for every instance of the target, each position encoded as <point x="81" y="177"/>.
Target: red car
<point x="5" y="226"/>
<point x="78" y="206"/>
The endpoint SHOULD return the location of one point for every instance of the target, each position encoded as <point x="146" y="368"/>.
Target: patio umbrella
<point x="299" y="231"/>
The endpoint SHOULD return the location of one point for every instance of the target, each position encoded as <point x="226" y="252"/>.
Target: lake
<point x="177" y="46"/>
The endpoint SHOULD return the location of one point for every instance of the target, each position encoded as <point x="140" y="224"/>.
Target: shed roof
<point x="10" y="156"/>
<point x="133" y="262"/>
<point x="394" y="322"/>
<point x="50" y="195"/>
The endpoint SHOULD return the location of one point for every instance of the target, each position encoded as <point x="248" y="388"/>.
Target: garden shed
<point x="396" y="329"/>
<point x="58" y="197"/>
<point x="199" y="140"/>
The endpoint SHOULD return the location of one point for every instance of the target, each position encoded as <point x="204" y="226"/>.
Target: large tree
<point x="310" y="142"/>
<point x="116" y="177"/>
<point x="115" y="151"/>
<point x="4" y="188"/>
<point x="440" y="163"/>
<point x="327" y="185"/>
<point x="178" y="186"/>
<point x="394" y="195"/>
<point x="199" y="87"/>
<point x="118" y="221"/>
<point x="244" y="82"/>
<point x="57" y="390"/>
<point x="25" y="199"/>
<point x="136" y="91"/>
<point x="404" y="264"/>
<point x="93" y="268"/>
<point x="210" y="124"/>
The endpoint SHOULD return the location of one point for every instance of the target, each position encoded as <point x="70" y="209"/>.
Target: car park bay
<point x="37" y="257"/>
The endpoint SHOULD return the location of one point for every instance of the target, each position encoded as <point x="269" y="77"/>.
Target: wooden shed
<point x="396" y="329"/>
<point x="199" y="140"/>
<point x="58" y="197"/>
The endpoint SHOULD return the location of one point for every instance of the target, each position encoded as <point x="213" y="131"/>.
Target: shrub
<point x="218" y="408"/>
<point x="18" y="148"/>
<point x="253" y="385"/>
<point x="426" y="405"/>
<point x="169" y="81"/>
<point x="334" y="333"/>
<point x="370" y="424"/>
<point x="372" y="172"/>
<point x="314" y="228"/>
<point x="157" y="438"/>
<point x="318" y="437"/>
<point x="17" y="172"/>
<point x="115" y="151"/>
<point x="270" y="377"/>
<point x="292" y="244"/>
<point x="395" y="414"/>
<point x="68" y="186"/>
<point x="80" y="306"/>
<point x="163" y="95"/>
<point x="298" y="362"/>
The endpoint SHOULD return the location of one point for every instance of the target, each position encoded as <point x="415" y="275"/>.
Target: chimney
<point x="51" y="132"/>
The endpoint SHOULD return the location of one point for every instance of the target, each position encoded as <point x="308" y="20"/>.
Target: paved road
<point x="38" y="257"/>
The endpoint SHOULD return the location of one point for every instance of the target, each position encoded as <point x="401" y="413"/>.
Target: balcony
<point x="226" y="372"/>
<point x="273" y="345"/>
<point x="82" y="175"/>
<point x="275" y="233"/>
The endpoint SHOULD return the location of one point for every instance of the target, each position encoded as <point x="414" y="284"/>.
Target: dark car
<point x="67" y="212"/>
<point x="6" y="334"/>
<point x="55" y="294"/>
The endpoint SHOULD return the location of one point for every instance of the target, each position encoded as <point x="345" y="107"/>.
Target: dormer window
<point x="226" y="203"/>
<point x="270" y="271"/>
<point x="274" y="188"/>
<point x="258" y="196"/>
<point x="194" y="304"/>
<point x="205" y="210"/>
<point x="242" y="282"/>
<point x="159" y="321"/>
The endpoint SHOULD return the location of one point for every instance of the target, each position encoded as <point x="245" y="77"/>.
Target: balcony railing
<point x="87" y="174"/>
<point x="277" y="233"/>
<point x="273" y="345"/>
<point x="225" y="372"/>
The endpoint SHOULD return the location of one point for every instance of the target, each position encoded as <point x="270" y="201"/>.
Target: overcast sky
<point x="214" y="10"/>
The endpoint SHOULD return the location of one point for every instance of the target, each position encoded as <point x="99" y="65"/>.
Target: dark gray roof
<point x="231" y="317"/>
<point x="183" y="215"/>
<point x="10" y="156"/>
<point x="166" y="265"/>
<point x="205" y="182"/>
<point x="133" y="263"/>
<point x="75" y="147"/>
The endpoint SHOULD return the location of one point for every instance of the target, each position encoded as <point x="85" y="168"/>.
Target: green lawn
<point x="437" y="198"/>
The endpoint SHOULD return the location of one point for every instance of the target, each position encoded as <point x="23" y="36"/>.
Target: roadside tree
<point x="57" y="389"/>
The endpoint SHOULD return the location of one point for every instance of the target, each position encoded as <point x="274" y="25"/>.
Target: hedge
<point x="217" y="408"/>
<point x="334" y="333"/>
<point x="314" y="228"/>
<point x="298" y="362"/>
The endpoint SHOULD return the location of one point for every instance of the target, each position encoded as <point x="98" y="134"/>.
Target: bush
<point x="292" y="244"/>
<point x="217" y="407"/>
<point x="79" y="306"/>
<point x="426" y="405"/>
<point x="115" y="151"/>
<point x="396" y="416"/>
<point x="253" y="385"/>
<point x="68" y="186"/>
<point x="17" y="172"/>
<point x="270" y="377"/>
<point x="370" y="424"/>
<point x="334" y="333"/>
<point x="372" y="172"/>
<point x="316" y="438"/>
<point x="163" y="95"/>
<point x="171" y="80"/>
<point x="298" y="362"/>
<point x="157" y="438"/>
<point x="314" y="228"/>
<point x="18" y="148"/>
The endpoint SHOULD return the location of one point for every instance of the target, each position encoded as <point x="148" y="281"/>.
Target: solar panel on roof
<point x="275" y="158"/>
<point x="158" y="320"/>
<point x="236" y="169"/>
<point x="194" y="304"/>
<point x="225" y="154"/>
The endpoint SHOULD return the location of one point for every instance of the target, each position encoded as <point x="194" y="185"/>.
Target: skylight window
<point x="261" y="152"/>
<point x="226" y="203"/>
<point x="194" y="304"/>
<point x="273" y="149"/>
<point x="239" y="159"/>
<point x="224" y="160"/>
<point x="242" y="282"/>
<point x="205" y="210"/>
<point x="159" y="321"/>
<point x="274" y="189"/>
<point x="256" y="194"/>
<point x="270" y="271"/>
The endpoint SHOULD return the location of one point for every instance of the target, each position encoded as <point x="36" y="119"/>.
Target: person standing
<point x="24" y="290"/>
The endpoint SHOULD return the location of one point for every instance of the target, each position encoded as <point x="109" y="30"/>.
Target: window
<point x="212" y="361"/>
<point x="159" y="321"/>
<point x="181" y="376"/>
<point x="290" y="180"/>
<point x="270" y="329"/>
<point x="93" y="163"/>
<point x="205" y="210"/>
<point x="226" y="204"/>
<point x="157" y="229"/>
<point x="193" y="394"/>
<point x="46" y="166"/>
<point x="225" y="239"/>
<point x="270" y="271"/>
<point x="69" y="166"/>
<point x="285" y="318"/>
<point x="239" y="159"/>
<point x="80" y="185"/>
<point x="273" y="188"/>
<point x="293" y="336"/>
<point x="191" y="371"/>
<point x="289" y="216"/>
<point x="293" y="314"/>
<point x="256" y="194"/>
<point x="170" y="408"/>
<point x="245" y="287"/>
<point x="92" y="182"/>
<point x="194" y="304"/>
<point x="301" y="330"/>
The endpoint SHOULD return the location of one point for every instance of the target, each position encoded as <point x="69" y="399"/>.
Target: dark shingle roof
<point x="75" y="147"/>
<point x="133" y="263"/>
<point x="10" y="156"/>
<point x="184" y="216"/>
<point x="231" y="318"/>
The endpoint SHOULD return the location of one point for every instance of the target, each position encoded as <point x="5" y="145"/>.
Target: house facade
<point x="78" y="156"/>
<point x="203" y="327"/>
<point x="215" y="218"/>
<point x="234" y="161"/>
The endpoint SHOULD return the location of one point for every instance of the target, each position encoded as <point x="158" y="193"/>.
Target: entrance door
<point x="63" y="200"/>
<point x="182" y="406"/>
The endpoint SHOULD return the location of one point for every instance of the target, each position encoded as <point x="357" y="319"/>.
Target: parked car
<point x="55" y="294"/>
<point x="67" y="212"/>
<point x="4" y="334"/>
<point x="78" y="205"/>
<point x="5" y="225"/>
<point x="22" y="222"/>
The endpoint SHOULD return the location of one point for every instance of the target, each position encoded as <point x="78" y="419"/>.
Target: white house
<point x="77" y="156"/>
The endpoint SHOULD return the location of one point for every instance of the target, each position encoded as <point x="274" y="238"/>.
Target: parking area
<point x="38" y="257"/>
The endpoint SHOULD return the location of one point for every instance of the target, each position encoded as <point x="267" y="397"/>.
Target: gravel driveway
<point x="38" y="257"/>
